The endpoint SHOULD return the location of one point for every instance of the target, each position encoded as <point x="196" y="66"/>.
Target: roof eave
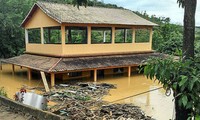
<point x="34" y="7"/>
<point x="149" y="25"/>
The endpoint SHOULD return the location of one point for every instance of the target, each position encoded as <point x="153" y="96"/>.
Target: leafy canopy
<point x="182" y="77"/>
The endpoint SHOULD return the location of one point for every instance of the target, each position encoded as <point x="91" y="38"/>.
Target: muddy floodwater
<point x="132" y="89"/>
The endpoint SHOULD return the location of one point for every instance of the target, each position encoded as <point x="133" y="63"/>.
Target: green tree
<point x="167" y="38"/>
<point x="182" y="76"/>
<point x="189" y="26"/>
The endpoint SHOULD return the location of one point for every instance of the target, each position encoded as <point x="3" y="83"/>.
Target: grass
<point x="3" y="92"/>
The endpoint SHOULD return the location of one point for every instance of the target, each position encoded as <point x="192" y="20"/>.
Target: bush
<point x="3" y="92"/>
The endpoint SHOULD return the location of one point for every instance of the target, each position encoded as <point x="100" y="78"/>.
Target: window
<point x="101" y="35"/>
<point x="123" y="35"/>
<point x="34" y="35"/>
<point x="76" y="35"/>
<point x="142" y="35"/>
<point x="52" y="35"/>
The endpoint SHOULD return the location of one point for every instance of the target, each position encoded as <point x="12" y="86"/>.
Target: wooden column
<point x="129" y="71"/>
<point x="52" y="79"/>
<point x="1" y="65"/>
<point x="104" y="36"/>
<point x="29" y="74"/>
<point x="63" y="35"/>
<point x="113" y="35"/>
<point x="26" y="36"/>
<point x="133" y="35"/>
<point x="42" y="35"/>
<point x="151" y="36"/>
<point x="13" y="68"/>
<point x="89" y="34"/>
<point x="95" y="75"/>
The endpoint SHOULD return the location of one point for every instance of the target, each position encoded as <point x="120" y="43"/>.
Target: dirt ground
<point x="7" y="114"/>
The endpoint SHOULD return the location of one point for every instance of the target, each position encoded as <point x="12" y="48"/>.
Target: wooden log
<point x="44" y="81"/>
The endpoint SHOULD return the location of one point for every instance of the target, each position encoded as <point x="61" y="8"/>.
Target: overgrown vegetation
<point x="181" y="77"/>
<point x="3" y="92"/>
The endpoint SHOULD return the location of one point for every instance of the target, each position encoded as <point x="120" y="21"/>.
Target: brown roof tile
<point x="65" y="13"/>
<point x="53" y="64"/>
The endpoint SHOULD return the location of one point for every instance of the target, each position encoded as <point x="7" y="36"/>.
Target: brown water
<point x="13" y="82"/>
<point x="153" y="103"/>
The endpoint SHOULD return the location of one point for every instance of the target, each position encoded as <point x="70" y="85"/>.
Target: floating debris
<point x="83" y="101"/>
<point x="123" y="112"/>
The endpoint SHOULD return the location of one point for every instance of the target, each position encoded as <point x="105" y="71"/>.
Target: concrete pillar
<point x="129" y="71"/>
<point x="125" y="35"/>
<point x="95" y="75"/>
<point x="26" y="36"/>
<point x="63" y="35"/>
<point x="150" y="38"/>
<point x="104" y="36"/>
<point x="133" y="36"/>
<point x="1" y="65"/>
<point x="42" y="35"/>
<point x="13" y="68"/>
<point x="52" y="79"/>
<point x="29" y="74"/>
<point x="89" y="34"/>
<point x="113" y="35"/>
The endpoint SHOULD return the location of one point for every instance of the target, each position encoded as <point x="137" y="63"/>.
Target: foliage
<point x="3" y="92"/>
<point x="167" y="38"/>
<point x="142" y="35"/>
<point x="12" y="13"/>
<point x="182" y="77"/>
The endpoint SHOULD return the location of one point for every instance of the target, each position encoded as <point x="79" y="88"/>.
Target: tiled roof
<point x="65" y="13"/>
<point x="53" y="64"/>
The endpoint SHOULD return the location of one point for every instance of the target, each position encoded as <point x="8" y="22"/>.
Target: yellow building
<point x="64" y="40"/>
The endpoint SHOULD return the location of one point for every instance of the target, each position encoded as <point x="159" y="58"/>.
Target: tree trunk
<point x="181" y="113"/>
<point x="189" y="28"/>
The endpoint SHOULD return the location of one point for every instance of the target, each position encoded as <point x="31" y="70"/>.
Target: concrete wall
<point x="38" y="114"/>
<point x="40" y="20"/>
